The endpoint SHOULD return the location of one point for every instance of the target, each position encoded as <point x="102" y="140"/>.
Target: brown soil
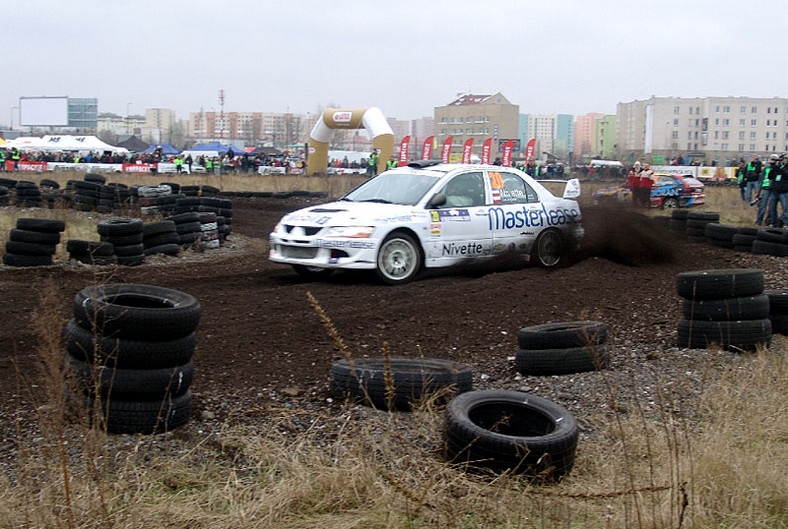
<point x="259" y="334"/>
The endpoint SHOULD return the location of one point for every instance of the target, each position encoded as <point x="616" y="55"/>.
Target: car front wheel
<point x="399" y="259"/>
<point x="670" y="203"/>
<point x="548" y="249"/>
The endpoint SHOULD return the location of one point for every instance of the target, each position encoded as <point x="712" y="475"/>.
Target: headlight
<point x="352" y="232"/>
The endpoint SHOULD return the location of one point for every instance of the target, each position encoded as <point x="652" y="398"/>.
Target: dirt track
<point x="259" y="333"/>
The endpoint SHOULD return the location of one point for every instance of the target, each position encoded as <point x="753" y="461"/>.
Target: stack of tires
<point x="696" y="224"/>
<point x="125" y="235"/>
<point x="771" y="241"/>
<point x="778" y="311"/>
<point x="744" y="238"/>
<point x="28" y="195"/>
<point x="190" y="191"/>
<point x="720" y="235"/>
<point x="410" y="379"/>
<point x="210" y="230"/>
<point x="129" y="354"/>
<point x="160" y="237"/>
<point x="86" y="194"/>
<point x="189" y="229"/>
<point x="91" y="252"/>
<point x="727" y="308"/>
<point x="562" y="348"/>
<point x="33" y="242"/>
<point x="678" y="220"/>
<point x="3" y="196"/>
<point x="510" y="431"/>
<point x="151" y="199"/>
<point x="8" y="183"/>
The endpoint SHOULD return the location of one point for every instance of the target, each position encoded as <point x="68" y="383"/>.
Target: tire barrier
<point x="720" y="235"/>
<point x="778" y="310"/>
<point x="562" y="348"/>
<point x="210" y="230"/>
<point x="724" y="307"/>
<point x="510" y="431"/>
<point x="743" y="239"/>
<point x="129" y="352"/>
<point x="160" y="237"/>
<point x="4" y="200"/>
<point x="91" y="252"/>
<point x="33" y="242"/>
<point x="125" y="235"/>
<point x="678" y="220"/>
<point x="411" y="379"/>
<point x="771" y="241"/>
<point x="28" y="195"/>
<point x="696" y="224"/>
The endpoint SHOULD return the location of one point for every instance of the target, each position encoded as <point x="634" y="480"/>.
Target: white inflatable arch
<point x="371" y="119"/>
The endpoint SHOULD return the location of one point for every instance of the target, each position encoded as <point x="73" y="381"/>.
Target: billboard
<point x="43" y="111"/>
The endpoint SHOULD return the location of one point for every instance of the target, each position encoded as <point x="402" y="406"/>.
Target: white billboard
<point x="43" y="111"/>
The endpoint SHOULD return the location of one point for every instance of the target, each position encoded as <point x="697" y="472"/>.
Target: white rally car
<point x="429" y="214"/>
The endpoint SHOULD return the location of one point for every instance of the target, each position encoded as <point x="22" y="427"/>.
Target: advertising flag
<point x="529" y="150"/>
<point x="426" y="149"/>
<point x="507" y="153"/>
<point x="486" y="147"/>
<point x="466" y="150"/>
<point x="404" y="155"/>
<point x="446" y="150"/>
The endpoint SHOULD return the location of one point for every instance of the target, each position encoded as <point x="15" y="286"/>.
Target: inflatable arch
<point x="371" y="119"/>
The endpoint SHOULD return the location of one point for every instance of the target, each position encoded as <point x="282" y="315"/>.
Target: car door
<point x="459" y="229"/>
<point x="515" y="216"/>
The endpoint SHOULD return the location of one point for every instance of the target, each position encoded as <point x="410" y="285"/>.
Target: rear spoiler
<point x="572" y="189"/>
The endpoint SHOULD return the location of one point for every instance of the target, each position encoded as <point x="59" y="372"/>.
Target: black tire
<point x="121" y="227"/>
<point x="312" y="273"/>
<point x="124" y="240"/>
<point x="413" y="378"/>
<point x="399" y="260"/>
<point x="718" y="284"/>
<point x="510" y="430"/>
<point x="548" y="249"/>
<point x="745" y="335"/>
<point x="29" y="248"/>
<point x="130" y="384"/>
<point x="680" y="214"/>
<point x="95" y="178"/>
<point x="762" y="247"/>
<point x="45" y="225"/>
<point x="778" y="301"/>
<point x="209" y="190"/>
<point x="131" y="260"/>
<point x="742" y="239"/>
<point x="184" y="218"/>
<point x="126" y="250"/>
<point x="127" y="354"/>
<point x="698" y="224"/>
<point x="779" y="323"/>
<point x="36" y="237"/>
<point x="93" y="248"/>
<point x="677" y="224"/>
<point x="49" y="184"/>
<point x="748" y="230"/>
<point x="12" y="259"/>
<point x="707" y="216"/>
<point x="188" y="227"/>
<point x="131" y="311"/>
<point x="157" y="228"/>
<point x="560" y="335"/>
<point x="165" y="249"/>
<point x="160" y="239"/>
<point x="723" y="232"/>
<point x="565" y="361"/>
<point x="743" y="308"/>
<point x="773" y="235"/>
<point x="670" y="203"/>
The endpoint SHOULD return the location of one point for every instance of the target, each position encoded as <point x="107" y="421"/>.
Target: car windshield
<point x="392" y="187"/>
<point x="692" y="181"/>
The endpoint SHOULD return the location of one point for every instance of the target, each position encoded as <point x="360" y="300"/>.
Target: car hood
<point x="345" y="213"/>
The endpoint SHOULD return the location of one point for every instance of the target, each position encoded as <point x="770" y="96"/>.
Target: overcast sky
<point x="405" y="57"/>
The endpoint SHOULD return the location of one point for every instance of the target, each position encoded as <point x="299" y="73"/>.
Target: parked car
<point x="669" y="191"/>
<point x="430" y="215"/>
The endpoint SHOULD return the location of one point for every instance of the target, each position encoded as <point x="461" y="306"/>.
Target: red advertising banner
<point x="507" y="153"/>
<point x="446" y="150"/>
<point x="486" y="148"/>
<point x="404" y="155"/>
<point x="529" y="150"/>
<point x="467" y="148"/>
<point x="138" y="167"/>
<point x="26" y="166"/>
<point x="426" y="149"/>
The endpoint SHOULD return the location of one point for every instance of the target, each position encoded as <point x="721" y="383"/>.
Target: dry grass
<point x="351" y="469"/>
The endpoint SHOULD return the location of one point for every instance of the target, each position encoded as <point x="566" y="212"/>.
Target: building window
<point x="675" y="110"/>
<point x="753" y="135"/>
<point x="754" y="111"/>
<point x="675" y="134"/>
<point x="752" y="146"/>
<point x="726" y="110"/>
<point x="768" y="110"/>
<point x="743" y="110"/>
<point x="675" y="122"/>
<point x="725" y="134"/>
<point x="753" y="122"/>
<point x="724" y="146"/>
<point x="689" y="135"/>
<point x="717" y="109"/>
<point x="726" y="122"/>
<point x="717" y="122"/>
<point x="741" y="134"/>
<point x="741" y="147"/>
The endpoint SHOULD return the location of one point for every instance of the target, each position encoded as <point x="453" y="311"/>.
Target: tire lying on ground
<point x="744" y="335"/>
<point x="562" y="348"/>
<point x="718" y="284"/>
<point x="412" y="378"/>
<point x="778" y="310"/>
<point x="510" y="431"/>
<point x="740" y="308"/>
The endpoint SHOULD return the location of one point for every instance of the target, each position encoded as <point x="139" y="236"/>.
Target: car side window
<point x="465" y="190"/>
<point x="508" y="188"/>
<point x="665" y="180"/>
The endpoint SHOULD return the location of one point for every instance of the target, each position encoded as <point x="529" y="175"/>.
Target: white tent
<point x="82" y="144"/>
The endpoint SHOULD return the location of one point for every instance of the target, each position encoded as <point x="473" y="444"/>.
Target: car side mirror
<point x="437" y="200"/>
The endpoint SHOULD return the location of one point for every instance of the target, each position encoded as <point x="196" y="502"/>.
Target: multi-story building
<point x="272" y="129"/>
<point x="159" y="125"/>
<point x="478" y="117"/>
<point x="83" y="114"/>
<point x="554" y="133"/>
<point x="585" y="140"/>
<point x="706" y="129"/>
<point x="604" y="146"/>
<point x="110" y="126"/>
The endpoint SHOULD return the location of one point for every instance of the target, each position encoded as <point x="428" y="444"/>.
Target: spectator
<point x="779" y="187"/>
<point x="645" y="181"/>
<point x="764" y="196"/>
<point x="392" y="163"/>
<point x="752" y="176"/>
<point x="740" y="180"/>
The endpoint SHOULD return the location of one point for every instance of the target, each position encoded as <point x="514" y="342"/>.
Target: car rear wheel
<point x="670" y="203"/>
<point x="548" y="249"/>
<point x="399" y="259"/>
<point x="312" y="272"/>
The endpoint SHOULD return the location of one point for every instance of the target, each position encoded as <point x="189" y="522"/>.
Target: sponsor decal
<point x="496" y="196"/>
<point x="498" y="248"/>
<point x="665" y="191"/>
<point x="470" y="249"/>
<point x="522" y="217"/>
<point x="356" y="244"/>
<point x="435" y="215"/>
<point x="435" y="229"/>
<point x="342" y="117"/>
<point x="454" y="215"/>
<point x="401" y="218"/>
